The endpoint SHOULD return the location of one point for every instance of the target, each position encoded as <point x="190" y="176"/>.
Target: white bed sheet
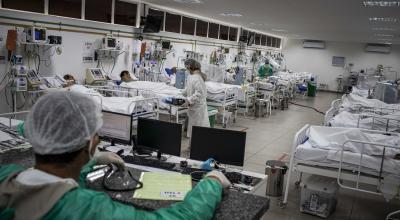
<point x="352" y="102"/>
<point x="307" y="152"/>
<point x="332" y="138"/>
<point x="350" y="120"/>
<point x="216" y="91"/>
<point x="157" y="90"/>
<point x="123" y="105"/>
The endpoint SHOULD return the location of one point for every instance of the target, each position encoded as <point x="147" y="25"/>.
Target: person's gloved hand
<point x="218" y="175"/>
<point x="104" y="158"/>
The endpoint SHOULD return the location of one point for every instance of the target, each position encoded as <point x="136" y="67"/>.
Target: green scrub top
<point x="81" y="203"/>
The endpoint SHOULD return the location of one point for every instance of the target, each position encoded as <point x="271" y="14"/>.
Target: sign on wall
<point x="338" y="61"/>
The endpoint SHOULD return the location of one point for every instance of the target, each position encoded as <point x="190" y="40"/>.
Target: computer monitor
<point x="225" y="146"/>
<point x="116" y="127"/>
<point x="161" y="136"/>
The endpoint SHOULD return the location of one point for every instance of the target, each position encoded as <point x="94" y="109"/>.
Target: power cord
<point x="305" y="106"/>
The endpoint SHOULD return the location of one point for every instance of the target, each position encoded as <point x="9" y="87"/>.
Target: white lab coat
<point x="196" y="93"/>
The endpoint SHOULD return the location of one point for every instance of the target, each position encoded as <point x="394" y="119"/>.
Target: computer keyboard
<point x="189" y="170"/>
<point x="234" y="177"/>
<point x="148" y="162"/>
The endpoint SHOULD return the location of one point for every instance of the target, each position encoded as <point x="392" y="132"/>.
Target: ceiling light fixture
<point x="384" y="35"/>
<point x="231" y="14"/>
<point x="381" y="3"/>
<point x="189" y="1"/>
<point x="384" y="29"/>
<point x="279" y="30"/>
<point x="386" y="40"/>
<point x="383" y="19"/>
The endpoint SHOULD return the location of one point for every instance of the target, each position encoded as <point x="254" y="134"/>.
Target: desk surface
<point x="234" y="205"/>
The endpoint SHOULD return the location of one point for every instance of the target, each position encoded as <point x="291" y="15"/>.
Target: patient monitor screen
<point x="97" y="74"/>
<point x="117" y="127"/>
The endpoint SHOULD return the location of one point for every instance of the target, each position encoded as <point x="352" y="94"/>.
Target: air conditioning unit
<point x="314" y="44"/>
<point x="378" y="48"/>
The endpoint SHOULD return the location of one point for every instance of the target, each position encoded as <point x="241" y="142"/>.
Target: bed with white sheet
<point x="223" y="96"/>
<point x="354" y="157"/>
<point x="137" y="105"/>
<point x="160" y="91"/>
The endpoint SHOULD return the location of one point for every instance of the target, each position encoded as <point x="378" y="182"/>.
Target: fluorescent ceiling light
<point x="383" y="19"/>
<point x="386" y="40"/>
<point x="189" y="1"/>
<point x="381" y="3"/>
<point x="231" y="14"/>
<point x="279" y="30"/>
<point x="384" y="29"/>
<point x="384" y="35"/>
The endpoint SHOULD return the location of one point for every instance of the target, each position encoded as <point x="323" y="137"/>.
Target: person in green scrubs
<point x="62" y="129"/>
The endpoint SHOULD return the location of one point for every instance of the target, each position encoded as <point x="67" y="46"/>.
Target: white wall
<point x="70" y="60"/>
<point x="319" y="61"/>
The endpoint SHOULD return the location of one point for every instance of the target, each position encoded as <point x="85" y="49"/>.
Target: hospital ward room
<point x="199" y="109"/>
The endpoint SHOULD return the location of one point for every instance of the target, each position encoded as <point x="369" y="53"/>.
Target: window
<point x="125" y="13"/>
<point x="258" y="39"/>
<point x="157" y="13"/>
<point x="269" y="41"/>
<point x="223" y="32"/>
<point x="273" y="42"/>
<point x="66" y="8"/>
<point x="245" y="33"/>
<point x="264" y="40"/>
<point x="201" y="28"/>
<point x="188" y="25"/>
<point x="233" y="34"/>
<point x="98" y="10"/>
<point x="251" y="38"/>
<point x="278" y="42"/>
<point x="24" y="5"/>
<point x="213" y="30"/>
<point x="172" y="23"/>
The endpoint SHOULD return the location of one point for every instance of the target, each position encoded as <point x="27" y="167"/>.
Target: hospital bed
<point x="223" y="96"/>
<point x="357" y="158"/>
<point x="156" y="90"/>
<point x="247" y="97"/>
<point x="121" y="101"/>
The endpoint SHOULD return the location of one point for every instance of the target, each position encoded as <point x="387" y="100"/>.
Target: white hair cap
<point x="62" y="122"/>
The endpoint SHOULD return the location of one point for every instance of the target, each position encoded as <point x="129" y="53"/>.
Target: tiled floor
<point x="272" y="137"/>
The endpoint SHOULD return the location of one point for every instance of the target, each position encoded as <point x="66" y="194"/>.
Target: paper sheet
<point x="163" y="186"/>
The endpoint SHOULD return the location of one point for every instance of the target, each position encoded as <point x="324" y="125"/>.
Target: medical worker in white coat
<point x="196" y="93"/>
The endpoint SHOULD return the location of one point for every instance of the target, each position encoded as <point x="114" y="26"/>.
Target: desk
<point x="234" y="205"/>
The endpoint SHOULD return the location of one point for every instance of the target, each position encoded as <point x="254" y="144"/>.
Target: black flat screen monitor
<point x="152" y="24"/>
<point x="165" y="137"/>
<point x="225" y="146"/>
<point x="116" y="127"/>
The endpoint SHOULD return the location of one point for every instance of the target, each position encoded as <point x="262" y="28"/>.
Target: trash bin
<point x="275" y="171"/>
<point x="311" y="88"/>
<point x="212" y="112"/>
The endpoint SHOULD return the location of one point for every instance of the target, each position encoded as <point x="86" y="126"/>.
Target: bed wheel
<point x="224" y="126"/>
<point x="282" y="205"/>
<point x="297" y="184"/>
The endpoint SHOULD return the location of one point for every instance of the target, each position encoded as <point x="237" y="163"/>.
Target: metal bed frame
<point x="342" y="172"/>
<point x="249" y="100"/>
<point x="228" y="101"/>
<point x="130" y="92"/>
<point x="147" y="107"/>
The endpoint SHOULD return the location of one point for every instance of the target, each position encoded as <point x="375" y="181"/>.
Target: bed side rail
<point x="359" y="166"/>
<point x="378" y="120"/>
<point x="332" y="112"/>
<point x="300" y="137"/>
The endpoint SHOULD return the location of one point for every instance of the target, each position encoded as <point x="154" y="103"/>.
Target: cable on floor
<point x="305" y="106"/>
